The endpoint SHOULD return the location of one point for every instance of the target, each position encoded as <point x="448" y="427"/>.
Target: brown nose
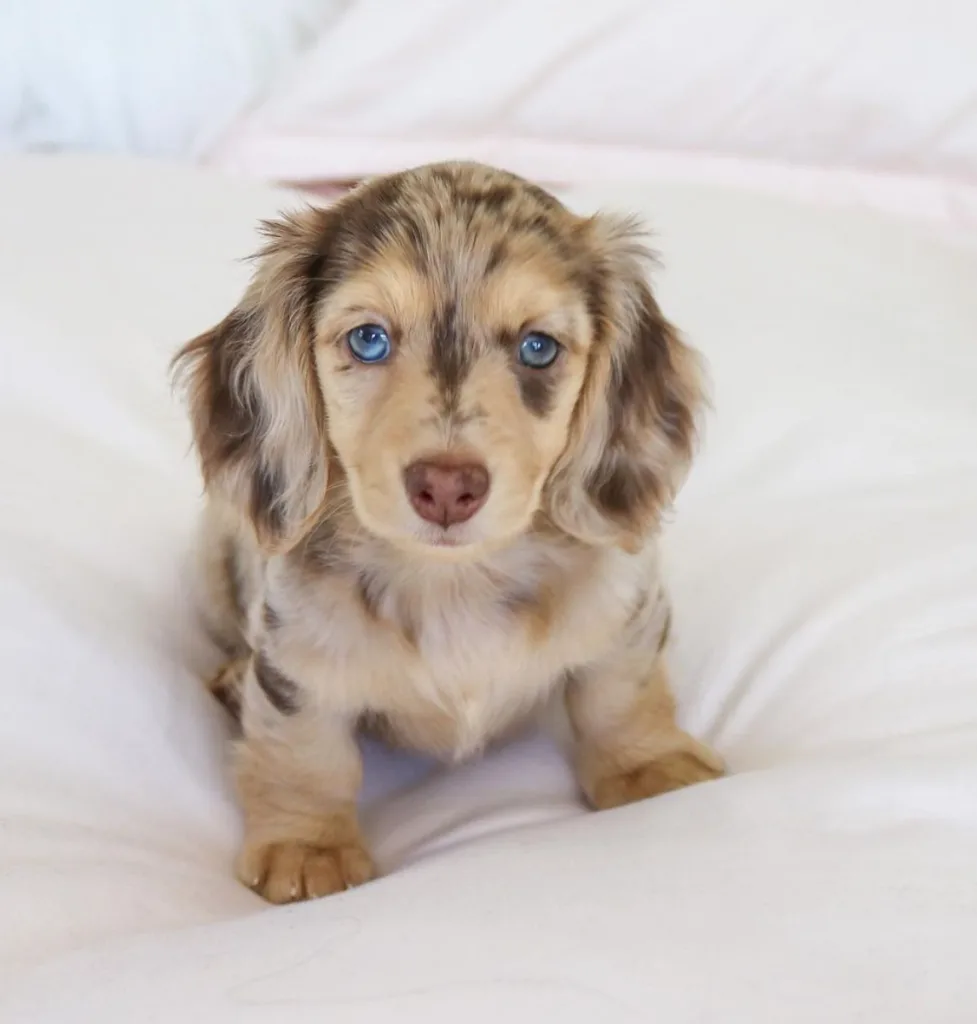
<point x="445" y="492"/>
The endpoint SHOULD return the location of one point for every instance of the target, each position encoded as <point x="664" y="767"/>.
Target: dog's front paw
<point x="286" y="872"/>
<point x="674" y="770"/>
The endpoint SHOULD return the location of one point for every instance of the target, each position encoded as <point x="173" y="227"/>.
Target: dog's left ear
<point x="634" y="428"/>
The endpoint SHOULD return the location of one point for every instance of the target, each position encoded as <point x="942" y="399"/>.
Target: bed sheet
<point x="823" y="564"/>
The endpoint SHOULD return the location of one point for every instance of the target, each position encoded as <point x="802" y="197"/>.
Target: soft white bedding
<point x="851" y="103"/>
<point x="863" y="103"/>
<point x="823" y="561"/>
<point x="159" y="77"/>
<point x="838" y="83"/>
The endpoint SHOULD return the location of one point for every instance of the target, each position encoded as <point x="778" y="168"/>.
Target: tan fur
<point x="339" y="606"/>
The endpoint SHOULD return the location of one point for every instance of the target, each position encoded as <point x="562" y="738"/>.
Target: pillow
<point x="161" y="77"/>
<point x="823" y="564"/>
<point x="625" y="90"/>
<point x="821" y="82"/>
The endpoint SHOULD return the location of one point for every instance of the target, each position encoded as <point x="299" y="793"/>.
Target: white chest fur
<point x="451" y="655"/>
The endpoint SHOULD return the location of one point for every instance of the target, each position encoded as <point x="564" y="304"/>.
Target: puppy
<point x="437" y="437"/>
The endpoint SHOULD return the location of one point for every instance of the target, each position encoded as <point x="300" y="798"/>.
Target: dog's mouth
<point x="449" y="537"/>
<point x="445" y="541"/>
<point x="458" y="541"/>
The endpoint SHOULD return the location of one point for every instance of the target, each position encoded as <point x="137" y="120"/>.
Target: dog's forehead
<point x="456" y="223"/>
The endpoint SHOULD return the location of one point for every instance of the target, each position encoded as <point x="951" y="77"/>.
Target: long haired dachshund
<point x="437" y="436"/>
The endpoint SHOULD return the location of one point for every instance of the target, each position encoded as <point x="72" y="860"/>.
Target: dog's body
<point x="437" y="435"/>
<point x="442" y="657"/>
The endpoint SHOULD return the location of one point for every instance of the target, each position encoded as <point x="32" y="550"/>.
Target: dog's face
<point x="460" y="352"/>
<point x="451" y="356"/>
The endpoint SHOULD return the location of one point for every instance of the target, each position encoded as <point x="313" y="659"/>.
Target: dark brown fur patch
<point x="451" y="356"/>
<point x="537" y="389"/>
<point x="593" y="282"/>
<point x="227" y="684"/>
<point x="282" y="692"/>
<point x="666" y="631"/>
<point x="366" y="222"/>
<point x="229" y="697"/>
<point x="648" y="376"/>
<point x="623" y="488"/>
<point x="376" y="726"/>
<point x="369" y="596"/>
<point x="223" y="421"/>
<point x="443" y="175"/>
<point x="542" y="225"/>
<point x="232" y="579"/>
<point x="494" y="198"/>
<point x="267" y="490"/>
<point x="272" y="620"/>
<point x="497" y="255"/>
<point x="640" y="607"/>
<point x="416" y="242"/>
<point x="646" y="396"/>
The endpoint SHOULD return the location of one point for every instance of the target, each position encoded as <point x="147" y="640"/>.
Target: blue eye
<point x="538" y="351"/>
<point x="370" y="343"/>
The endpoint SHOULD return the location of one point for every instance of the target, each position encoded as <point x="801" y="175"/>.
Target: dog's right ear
<point x="258" y="419"/>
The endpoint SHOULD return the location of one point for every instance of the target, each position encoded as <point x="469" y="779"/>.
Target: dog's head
<point x="463" y="355"/>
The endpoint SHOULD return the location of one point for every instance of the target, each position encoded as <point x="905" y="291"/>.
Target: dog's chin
<point x="452" y="544"/>
<point x="445" y="549"/>
<point x="463" y="542"/>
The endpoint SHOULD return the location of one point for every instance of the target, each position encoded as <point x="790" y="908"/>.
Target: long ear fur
<point x="256" y="409"/>
<point x="634" y="428"/>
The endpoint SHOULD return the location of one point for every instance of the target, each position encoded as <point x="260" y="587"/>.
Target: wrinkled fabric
<point x="823" y="565"/>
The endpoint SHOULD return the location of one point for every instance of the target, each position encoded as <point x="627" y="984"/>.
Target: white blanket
<point x="823" y="561"/>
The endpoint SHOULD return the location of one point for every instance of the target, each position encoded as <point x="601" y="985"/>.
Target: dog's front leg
<point x="628" y="743"/>
<point x="298" y="772"/>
